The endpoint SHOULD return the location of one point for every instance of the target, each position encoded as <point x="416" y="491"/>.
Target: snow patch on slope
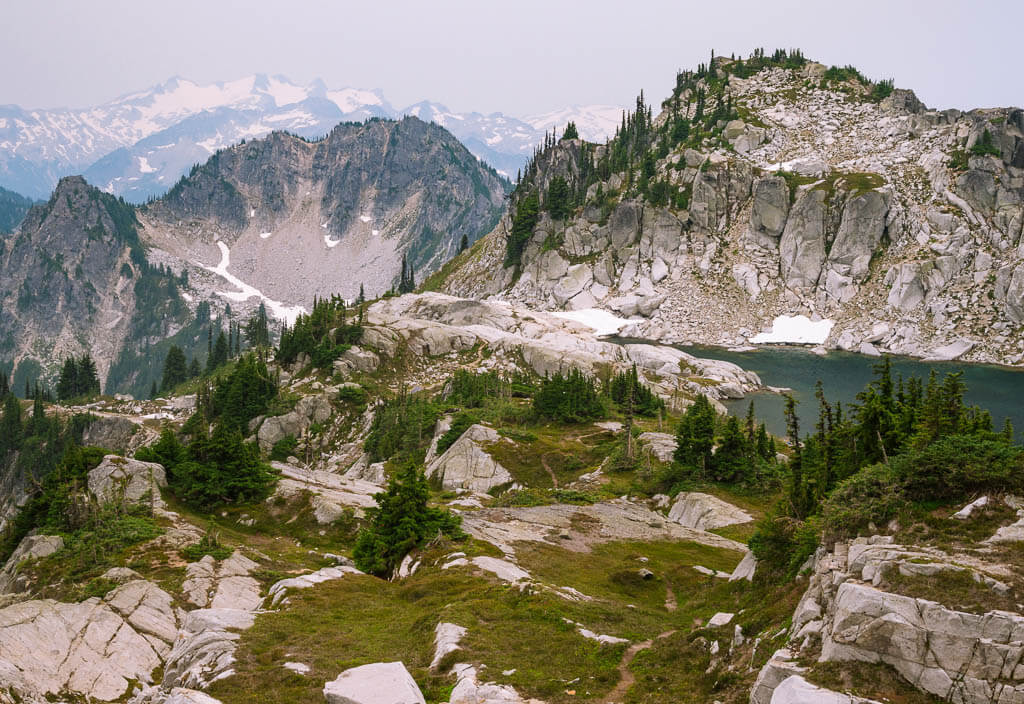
<point x="245" y="291"/>
<point x="797" y="329"/>
<point x="603" y="322"/>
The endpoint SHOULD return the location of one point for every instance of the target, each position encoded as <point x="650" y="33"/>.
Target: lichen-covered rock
<point x="124" y="479"/>
<point x="467" y="465"/>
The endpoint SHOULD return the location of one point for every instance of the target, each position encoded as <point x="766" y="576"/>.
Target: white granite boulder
<point x="377" y="683"/>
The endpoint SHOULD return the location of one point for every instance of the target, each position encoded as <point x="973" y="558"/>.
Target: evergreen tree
<point x="362" y="296"/>
<point x="219" y="356"/>
<point x="257" y="328"/>
<point x="570" y="131"/>
<point x="463" y="246"/>
<point x="175" y="369"/>
<point x="695" y="436"/>
<point x="401" y="522"/>
<point x="731" y="461"/>
<point x="88" y="379"/>
<point x="527" y="212"/>
<point x="10" y="425"/>
<point x="194" y="369"/>
<point x="407" y="280"/>
<point x="67" y="384"/>
<point x="558" y="198"/>
<point x="153" y="390"/>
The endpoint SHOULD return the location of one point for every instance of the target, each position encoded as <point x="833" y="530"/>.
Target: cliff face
<point x="308" y="218"/>
<point x="899" y="223"/>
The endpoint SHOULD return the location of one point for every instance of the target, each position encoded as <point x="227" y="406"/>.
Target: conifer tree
<point x="401" y="522"/>
<point x="175" y="369"/>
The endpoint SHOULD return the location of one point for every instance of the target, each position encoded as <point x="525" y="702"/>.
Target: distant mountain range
<point x="137" y="146"/>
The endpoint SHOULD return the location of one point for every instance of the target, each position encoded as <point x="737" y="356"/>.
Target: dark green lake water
<point x="1000" y="390"/>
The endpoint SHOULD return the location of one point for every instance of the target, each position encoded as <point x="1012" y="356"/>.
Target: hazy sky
<point x="517" y="57"/>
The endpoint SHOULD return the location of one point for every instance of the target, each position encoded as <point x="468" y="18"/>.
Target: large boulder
<point x="467" y="465"/>
<point x="30" y="548"/>
<point x="124" y="479"/>
<point x="661" y="445"/>
<point x="377" y="683"/>
<point x="623" y="227"/>
<point x="705" y="512"/>
<point x="770" y="208"/>
<point x="802" y="246"/>
<point x="308" y="410"/>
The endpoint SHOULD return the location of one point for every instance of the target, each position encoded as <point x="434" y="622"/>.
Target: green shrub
<point x="985" y="146"/>
<point x="210" y="545"/>
<point x="355" y="395"/>
<point x="782" y="543"/>
<point x="875" y="494"/>
<point x="283" y="448"/>
<point x="958" y="466"/>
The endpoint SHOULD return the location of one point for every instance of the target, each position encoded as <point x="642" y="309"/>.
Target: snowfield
<point x="602" y="322"/>
<point x="797" y="329"/>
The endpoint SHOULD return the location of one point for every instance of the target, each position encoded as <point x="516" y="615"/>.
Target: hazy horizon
<point x="531" y="58"/>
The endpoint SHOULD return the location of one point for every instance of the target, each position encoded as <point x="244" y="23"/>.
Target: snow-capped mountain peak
<point x="140" y="143"/>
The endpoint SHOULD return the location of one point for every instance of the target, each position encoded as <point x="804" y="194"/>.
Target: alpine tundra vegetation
<point x="361" y="440"/>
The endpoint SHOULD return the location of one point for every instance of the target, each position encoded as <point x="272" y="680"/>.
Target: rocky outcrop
<point x="705" y="512"/>
<point x="837" y="208"/>
<point x="377" y="683"/>
<point x="467" y="464"/>
<point x="118" y="479"/>
<point x="802" y="246"/>
<point x="31" y="547"/>
<point x="95" y="648"/>
<point x="433" y="324"/>
<point x="964" y="657"/>
<point x="308" y="410"/>
<point x="111" y="432"/>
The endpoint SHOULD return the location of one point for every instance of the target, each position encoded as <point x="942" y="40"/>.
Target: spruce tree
<point x="175" y="369"/>
<point x="463" y="246"/>
<point x="401" y="522"/>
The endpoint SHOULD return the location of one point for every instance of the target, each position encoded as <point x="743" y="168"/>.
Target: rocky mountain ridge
<point x="277" y="220"/>
<point x="817" y="197"/>
<point x="138" y="145"/>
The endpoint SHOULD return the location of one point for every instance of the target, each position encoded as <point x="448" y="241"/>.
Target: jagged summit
<point x="779" y="186"/>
